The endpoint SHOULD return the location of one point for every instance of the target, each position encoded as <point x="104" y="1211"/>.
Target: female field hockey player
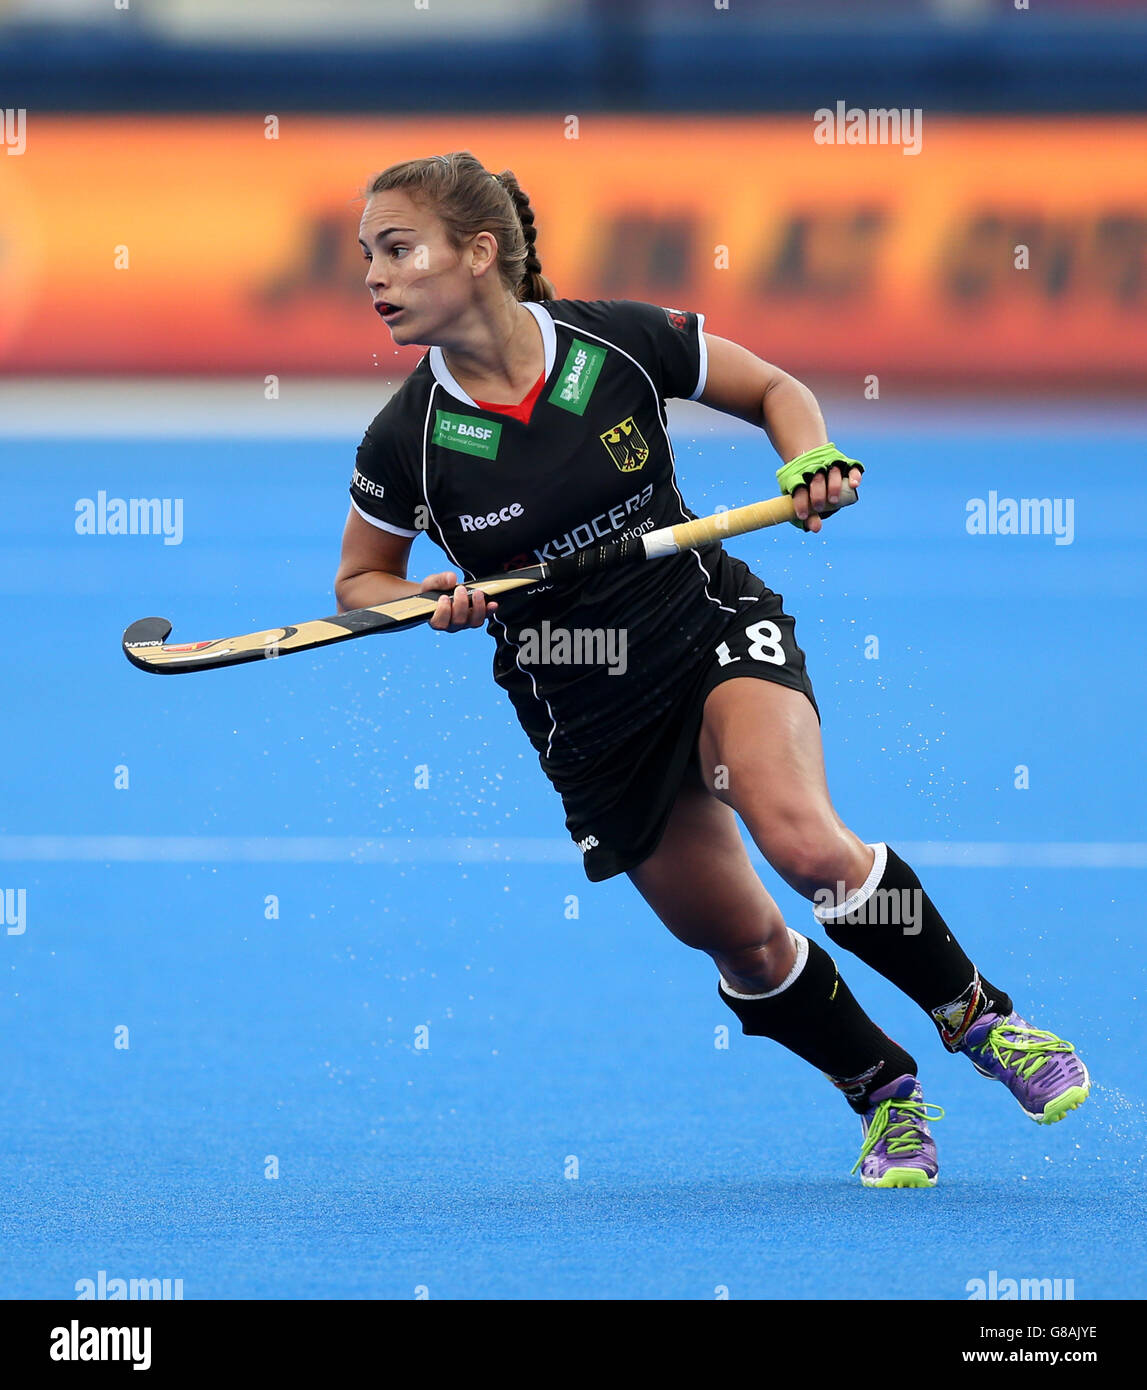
<point x="534" y="426"/>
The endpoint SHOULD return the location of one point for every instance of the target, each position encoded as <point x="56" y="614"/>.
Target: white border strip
<point x="382" y="525"/>
<point x="332" y="849"/>
<point x="703" y="358"/>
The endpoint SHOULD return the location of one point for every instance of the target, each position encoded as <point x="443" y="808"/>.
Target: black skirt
<point x="618" y="802"/>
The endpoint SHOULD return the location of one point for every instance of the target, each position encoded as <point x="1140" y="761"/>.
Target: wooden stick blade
<point x="145" y="641"/>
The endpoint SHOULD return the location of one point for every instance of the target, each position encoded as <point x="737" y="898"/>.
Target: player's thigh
<point x="760" y="739"/>
<point x="760" y="743"/>
<point x="700" y="881"/>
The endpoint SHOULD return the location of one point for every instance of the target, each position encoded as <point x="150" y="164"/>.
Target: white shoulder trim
<point x="703" y="354"/>
<point x="549" y="333"/>
<point x="445" y="377"/>
<point x="382" y="525"/>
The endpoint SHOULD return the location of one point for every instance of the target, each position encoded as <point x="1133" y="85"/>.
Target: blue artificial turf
<point x="551" y="1036"/>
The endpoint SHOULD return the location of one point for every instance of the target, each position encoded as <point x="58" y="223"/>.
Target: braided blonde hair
<point x="469" y="199"/>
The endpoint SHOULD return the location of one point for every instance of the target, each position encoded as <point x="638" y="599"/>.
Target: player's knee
<point x="751" y="966"/>
<point x="810" y="856"/>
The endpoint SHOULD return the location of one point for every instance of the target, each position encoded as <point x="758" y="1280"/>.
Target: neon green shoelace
<point x="902" y="1135"/>
<point x="1034" y="1045"/>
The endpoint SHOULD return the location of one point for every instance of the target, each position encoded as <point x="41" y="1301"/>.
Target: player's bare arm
<point x="372" y="570"/>
<point x="742" y="384"/>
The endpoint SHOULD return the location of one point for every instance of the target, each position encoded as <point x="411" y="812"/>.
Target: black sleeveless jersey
<point x="594" y="463"/>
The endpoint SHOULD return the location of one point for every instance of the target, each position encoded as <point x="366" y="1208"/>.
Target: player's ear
<point x="483" y="251"/>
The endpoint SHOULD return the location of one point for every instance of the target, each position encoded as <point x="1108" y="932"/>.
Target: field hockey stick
<point x="144" y="642"/>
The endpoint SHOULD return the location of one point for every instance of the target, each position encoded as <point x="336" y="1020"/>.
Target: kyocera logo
<point x="479" y="523"/>
<point x="364" y="484"/>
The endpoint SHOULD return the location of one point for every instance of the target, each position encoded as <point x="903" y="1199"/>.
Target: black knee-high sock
<point x="893" y="926"/>
<point x="816" y="1017"/>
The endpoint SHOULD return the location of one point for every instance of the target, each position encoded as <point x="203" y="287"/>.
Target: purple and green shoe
<point x="1043" y="1072"/>
<point x="898" y="1150"/>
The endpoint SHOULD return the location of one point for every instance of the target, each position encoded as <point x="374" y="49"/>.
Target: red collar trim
<point x="524" y="409"/>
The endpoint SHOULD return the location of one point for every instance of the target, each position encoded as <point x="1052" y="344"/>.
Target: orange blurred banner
<point x="1003" y="249"/>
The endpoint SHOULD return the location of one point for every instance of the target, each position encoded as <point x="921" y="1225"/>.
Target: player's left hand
<point x="824" y="490"/>
<point x="458" y="609"/>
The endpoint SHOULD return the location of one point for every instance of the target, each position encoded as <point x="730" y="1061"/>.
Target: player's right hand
<point x="462" y="610"/>
<point x="823" y="490"/>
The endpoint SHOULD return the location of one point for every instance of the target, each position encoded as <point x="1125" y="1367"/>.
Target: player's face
<point x="416" y="278"/>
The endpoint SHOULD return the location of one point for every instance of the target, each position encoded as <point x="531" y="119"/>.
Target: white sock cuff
<point x="862" y="894"/>
<point x="800" y="945"/>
